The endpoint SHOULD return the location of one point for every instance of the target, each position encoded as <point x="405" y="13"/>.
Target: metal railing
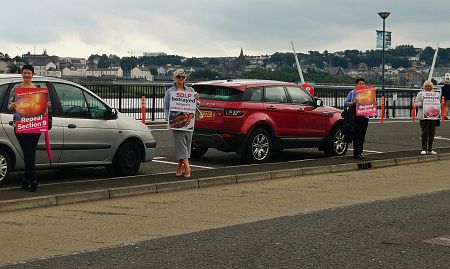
<point x="127" y="98"/>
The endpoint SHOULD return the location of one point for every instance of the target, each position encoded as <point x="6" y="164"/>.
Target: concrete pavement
<point x="62" y="230"/>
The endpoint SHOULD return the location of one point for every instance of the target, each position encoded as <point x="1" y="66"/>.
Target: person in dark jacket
<point x="445" y="90"/>
<point x="361" y="122"/>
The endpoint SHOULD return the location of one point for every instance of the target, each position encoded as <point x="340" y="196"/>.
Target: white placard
<point x="182" y="110"/>
<point x="431" y="105"/>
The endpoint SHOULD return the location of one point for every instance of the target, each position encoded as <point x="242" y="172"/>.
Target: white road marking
<point x="441" y="138"/>
<point x="370" y="151"/>
<point x="159" y="129"/>
<point x="399" y="121"/>
<point x="199" y="166"/>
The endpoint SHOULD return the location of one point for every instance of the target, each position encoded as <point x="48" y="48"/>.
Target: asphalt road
<point x="393" y="139"/>
<point x="383" y="218"/>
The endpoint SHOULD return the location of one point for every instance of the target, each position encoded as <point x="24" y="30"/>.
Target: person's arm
<point x="166" y="104"/>
<point x="12" y="99"/>
<point x="419" y="100"/>
<point x="349" y="99"/>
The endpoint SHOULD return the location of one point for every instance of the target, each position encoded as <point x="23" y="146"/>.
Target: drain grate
<point x="366" y="165"/>
<point x="443" y="240"/>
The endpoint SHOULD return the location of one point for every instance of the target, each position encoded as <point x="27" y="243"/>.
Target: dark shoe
<point x="33" y="187"/>
<point x="25" y="185"/>
<point x="360" y="157"/>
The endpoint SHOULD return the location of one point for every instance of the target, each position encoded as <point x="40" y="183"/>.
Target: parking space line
<point x="370" y="151"/>
<point x="441" y="138"/>
<point x="198" y="166"/>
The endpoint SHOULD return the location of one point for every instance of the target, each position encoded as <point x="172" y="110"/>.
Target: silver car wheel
<point x="260" y="147"/>
<point x="340" y="145"/>
<point x="3" y="167"/>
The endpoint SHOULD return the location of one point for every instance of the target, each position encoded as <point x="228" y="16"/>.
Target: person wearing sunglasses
<point x="182" y="139"/>
<point x="428" y="127"/>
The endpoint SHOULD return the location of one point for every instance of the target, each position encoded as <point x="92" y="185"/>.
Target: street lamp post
<point x="383" y="15"/>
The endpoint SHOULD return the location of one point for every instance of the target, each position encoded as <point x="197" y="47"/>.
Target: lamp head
<point x="384" y="14"/>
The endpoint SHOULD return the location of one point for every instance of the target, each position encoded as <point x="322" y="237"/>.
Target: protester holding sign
<point x="428" y="104"/>
<point x="361" y="121"/>
<point x="30" y="107"/>
<point x="180" y="104"/>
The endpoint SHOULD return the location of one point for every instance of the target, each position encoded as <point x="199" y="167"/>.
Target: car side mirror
<point x="318" y="102"/>
<point x="111" y="114"/>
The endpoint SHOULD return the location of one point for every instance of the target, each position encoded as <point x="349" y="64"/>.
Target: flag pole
<point x="298" y="64"/>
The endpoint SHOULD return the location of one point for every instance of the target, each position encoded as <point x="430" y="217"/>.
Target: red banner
<point x="31" y="114"/>
<point x="367" y="101"/>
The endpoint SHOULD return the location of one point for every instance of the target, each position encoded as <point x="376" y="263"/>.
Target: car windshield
<point x="218" y="93"/>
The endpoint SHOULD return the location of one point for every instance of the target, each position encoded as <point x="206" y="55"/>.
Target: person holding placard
<point x="360" y="124"/>
<point x="428" y="104"/>
<point x="27" y="141"/>
<point x="181" y="121"/>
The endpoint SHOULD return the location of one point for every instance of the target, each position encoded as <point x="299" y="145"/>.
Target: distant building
<point x="142" y="72"/>
<point x="105" y="72"/>
<point x="154" y="54"/>
<point x="74" y="72"/>
<point x="161" y="71"/>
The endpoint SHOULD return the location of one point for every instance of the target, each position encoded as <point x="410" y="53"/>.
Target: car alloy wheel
<point x="259" y="147"/>
<point x="339" y="145"/>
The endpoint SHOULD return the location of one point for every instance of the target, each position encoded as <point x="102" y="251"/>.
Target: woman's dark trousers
<point x="360" y="134"/>
<point x="28" y="143"/>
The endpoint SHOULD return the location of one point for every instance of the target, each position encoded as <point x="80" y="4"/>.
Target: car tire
<point x="5" y="166"/>
<point x="127" y="160"/>
<point x="198" y="150"/>
<point x="336" y="146"/>
<point x="259" y="147"/>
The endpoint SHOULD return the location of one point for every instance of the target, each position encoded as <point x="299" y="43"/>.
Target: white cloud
<point x="215" y="27"/>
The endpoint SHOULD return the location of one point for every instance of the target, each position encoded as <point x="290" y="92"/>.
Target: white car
<point x="86" y="131"/>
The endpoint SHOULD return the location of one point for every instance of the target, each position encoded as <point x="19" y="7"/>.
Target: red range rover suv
<point x="256" y="117"/>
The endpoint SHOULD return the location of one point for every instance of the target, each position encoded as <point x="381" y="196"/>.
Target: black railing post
<point x="153" y="96"/>
<point x="120" y="97"/>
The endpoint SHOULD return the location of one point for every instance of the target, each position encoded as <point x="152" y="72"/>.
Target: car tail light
<point x="234" y="112"/>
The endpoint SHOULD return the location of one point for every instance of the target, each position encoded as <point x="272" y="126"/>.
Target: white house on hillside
<point x="110" y="72"/>
<point x="161" y="71"/>
<point x="74" y="72"/>
<point x="49" y="69"/>
<point x="142" y="72"/>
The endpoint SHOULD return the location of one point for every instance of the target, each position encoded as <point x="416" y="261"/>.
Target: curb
<point x="111" y="193"/>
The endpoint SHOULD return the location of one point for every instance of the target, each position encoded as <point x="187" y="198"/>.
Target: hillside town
<point x="409" y="71"/>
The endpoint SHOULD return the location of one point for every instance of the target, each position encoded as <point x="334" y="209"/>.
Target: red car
<point x="257" y="117"/>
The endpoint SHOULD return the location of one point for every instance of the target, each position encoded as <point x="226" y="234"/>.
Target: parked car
<point x="85" y="132"/>
<point x="257" y="117"/>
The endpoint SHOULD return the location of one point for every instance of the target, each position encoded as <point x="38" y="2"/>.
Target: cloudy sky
<point x="198" y="28"/>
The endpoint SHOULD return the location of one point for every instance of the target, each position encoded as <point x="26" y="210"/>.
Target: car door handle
<point x="71" y="126"/>
<point x="301" y="109"/>
<point x="271" y="108"/>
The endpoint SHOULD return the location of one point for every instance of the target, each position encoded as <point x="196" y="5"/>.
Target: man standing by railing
<point x="445" y="91"/>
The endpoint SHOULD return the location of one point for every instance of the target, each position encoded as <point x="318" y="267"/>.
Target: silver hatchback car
<point x="85" y="132"/>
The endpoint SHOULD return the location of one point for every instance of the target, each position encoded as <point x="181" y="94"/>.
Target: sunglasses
<point x="180" y="77"/>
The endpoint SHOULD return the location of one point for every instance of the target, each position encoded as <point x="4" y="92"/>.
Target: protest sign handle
<point x="143" y="109"/>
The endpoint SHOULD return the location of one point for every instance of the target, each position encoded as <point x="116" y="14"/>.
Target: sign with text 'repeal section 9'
<point x="31" y="115"/>
<point x="182" y="110"/>
<point x="431" y="105"/>
<point x="367" y="101"/>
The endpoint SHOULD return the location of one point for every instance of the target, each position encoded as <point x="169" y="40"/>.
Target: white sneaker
<point x="432" y="152"/>
<point x="423" y="152"/>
